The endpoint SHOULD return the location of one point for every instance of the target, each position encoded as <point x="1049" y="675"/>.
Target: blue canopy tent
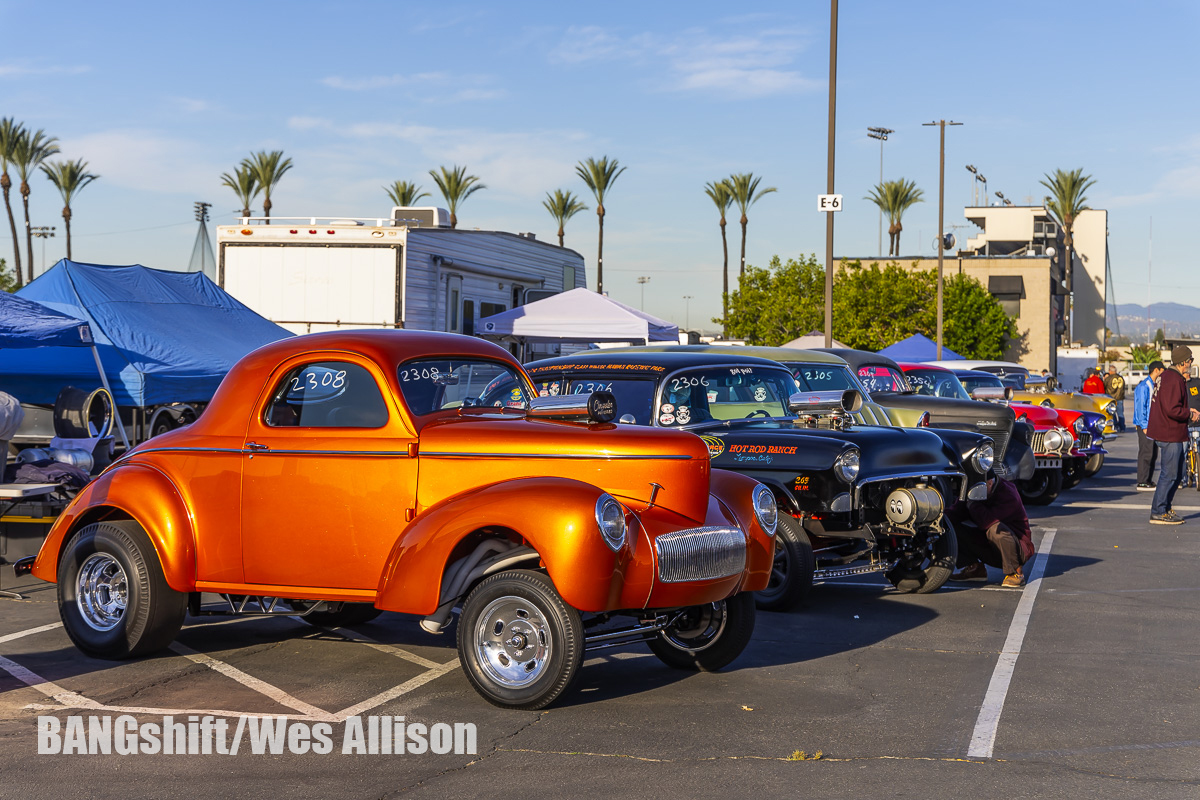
<point x="917" y="347"/>
<point x="161" y="336"/>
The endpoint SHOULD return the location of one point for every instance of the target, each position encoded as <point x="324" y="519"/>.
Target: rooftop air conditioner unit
<point x="420" y="217"/>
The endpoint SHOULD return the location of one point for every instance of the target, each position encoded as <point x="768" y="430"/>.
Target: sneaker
<point x="1165" y="519"/>
<point x="1145" y="487"/>
<point x="1171" y="515"/>
<point x="1014" y="581"/>
<point x="973" y="572"/>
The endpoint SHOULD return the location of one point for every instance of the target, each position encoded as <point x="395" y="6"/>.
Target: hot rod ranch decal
<point x="715" y="446"/>
<point x="762" y="448"/>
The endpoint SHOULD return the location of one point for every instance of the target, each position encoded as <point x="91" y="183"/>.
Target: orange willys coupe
<point x="338" y="475"/>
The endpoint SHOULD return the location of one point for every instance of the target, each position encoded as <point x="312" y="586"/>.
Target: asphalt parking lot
<point x="1084" y="683"/>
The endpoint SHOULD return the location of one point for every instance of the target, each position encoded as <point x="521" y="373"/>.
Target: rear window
<point x="438" y="384"/>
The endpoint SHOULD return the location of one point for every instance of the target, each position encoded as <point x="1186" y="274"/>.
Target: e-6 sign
<point x="829" y="202"/>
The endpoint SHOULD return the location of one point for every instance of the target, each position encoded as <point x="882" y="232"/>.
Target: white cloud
<point x="1179" y="182"/>
<point x="146" y="160"/>
<point x="26" y="70"/>
<point x="429" y="87"/>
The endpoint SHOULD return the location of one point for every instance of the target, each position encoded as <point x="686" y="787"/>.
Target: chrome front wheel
<point x="102" y="592"/>
<point x="513" y="641"/>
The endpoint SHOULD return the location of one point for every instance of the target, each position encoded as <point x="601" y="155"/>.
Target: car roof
<point x="859" y="358"/>
<point x="907" y="365"/>
<point x="782" y="354"/>
<point x="974" y="373"/>
<point x="642" y="361"/>
<point x="386" y="346"/>
<point x="977" y="363"/>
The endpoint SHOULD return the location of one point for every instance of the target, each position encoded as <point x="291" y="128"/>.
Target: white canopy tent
<point x="810" y="341"/>
<point x="577" y="316"/>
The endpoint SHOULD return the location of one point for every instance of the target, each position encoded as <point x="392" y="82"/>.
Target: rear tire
<point x="1042" y="488"/>
<point x="791" y="571"/>
<point x="708" y="637"/>
<point x="113" y="598"/>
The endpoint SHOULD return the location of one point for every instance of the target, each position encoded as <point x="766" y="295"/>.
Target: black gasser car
<point x="859" y="498"/>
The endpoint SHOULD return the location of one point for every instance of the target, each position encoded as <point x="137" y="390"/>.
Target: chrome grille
<point x="1084" y="441"/>
<point x="700" y="554"/>
<point x="1000" y="440"/>
<point x="1039" y="444"/>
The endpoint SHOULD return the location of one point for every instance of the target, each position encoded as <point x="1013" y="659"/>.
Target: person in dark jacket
<point x="1147" y="450"/>
<point x="1169" y="418"/>
<point x="1114" y="387"/>
<point x="993" y="532"/>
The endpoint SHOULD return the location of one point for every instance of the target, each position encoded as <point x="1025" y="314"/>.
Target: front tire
<point x="1042" y="488"/>
<point x="932" y="573"/>
<point x="1094" y="463"/>
<point x="113" y="598"/>
<point x="791" y="571"/>
<point x="1073" y="472"/>
<point x="520" y="645"/>
<point x="707" y="637"/>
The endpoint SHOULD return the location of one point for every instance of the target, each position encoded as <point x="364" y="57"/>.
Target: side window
<point x="327" y="394"/>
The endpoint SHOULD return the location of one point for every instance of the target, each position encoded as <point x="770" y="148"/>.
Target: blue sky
<point x="161" y="98"/>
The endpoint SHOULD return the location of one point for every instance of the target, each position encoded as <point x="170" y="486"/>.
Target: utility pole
<point x="833" y="23"/>
<point x="41" y="232"/>
<point x="941" y="124"/>
<point x="202" y="259"/>
<point x="642" y="281"/>
<point x="687" y="311"/>
<point x="881" y="134"/>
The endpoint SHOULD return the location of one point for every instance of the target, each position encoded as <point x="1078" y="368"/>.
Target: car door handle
<point x="256" y="447"/>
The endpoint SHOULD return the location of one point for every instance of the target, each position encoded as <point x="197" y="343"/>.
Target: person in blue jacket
<point x="1147" y="452"/>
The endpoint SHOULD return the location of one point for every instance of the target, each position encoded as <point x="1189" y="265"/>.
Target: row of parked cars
<point x="655" y="495"/>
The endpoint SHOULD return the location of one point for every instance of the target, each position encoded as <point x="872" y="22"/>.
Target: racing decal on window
<point x="684" y="415"/>
<point x="716" y="445"/>
<point x="666" y="419"/>
<point x="712" y="396"/>
<point x="760" y="394"/>
<point x="667" y="408"/>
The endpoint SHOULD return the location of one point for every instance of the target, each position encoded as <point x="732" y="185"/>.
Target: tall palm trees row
<point x="27" y="151"/>
<point x="740" y="189"/>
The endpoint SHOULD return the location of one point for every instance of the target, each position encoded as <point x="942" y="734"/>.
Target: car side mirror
<point x="595" y="407"/>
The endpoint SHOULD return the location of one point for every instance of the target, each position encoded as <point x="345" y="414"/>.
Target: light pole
<point x="642" y="281"/>
<point x="1004" y="199"/>
<point x="833" y="23"/>
<point x="881" y="134"/>
<point x="687" y="311"/>
<point x="42" y="232"/>
<point x="941" y="124"/>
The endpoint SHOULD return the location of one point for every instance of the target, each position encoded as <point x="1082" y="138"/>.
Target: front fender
<point x="554" y="516"/>
<point x="144" y="494"/>
<point x="737" y="493"/>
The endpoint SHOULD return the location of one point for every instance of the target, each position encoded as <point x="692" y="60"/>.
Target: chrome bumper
<point x="700" y="554"/>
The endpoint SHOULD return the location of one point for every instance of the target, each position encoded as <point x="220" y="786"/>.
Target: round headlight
<point x="610" y="518"/>
<point x="846" y="466"/>
<point x="1054" y="440"/>
<point x="765" y="509"/>
<point x="1047" y="404"/>
<point x="1079" y="426"/>
<point x="985" y="457"/>
<point x="1068" y="441"/>
<point x="1110" y="409"/>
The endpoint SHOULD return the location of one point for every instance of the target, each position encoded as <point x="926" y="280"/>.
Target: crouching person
<point x="992" y="532"/>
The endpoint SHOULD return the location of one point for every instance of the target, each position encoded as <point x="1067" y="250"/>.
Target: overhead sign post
<point x="829" y="202"/>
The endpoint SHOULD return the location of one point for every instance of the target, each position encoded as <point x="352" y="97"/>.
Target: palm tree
<point x="31" y="150"/>
<point x="244" y="185"/>
<point x="1065" y="202"/>
<point x="562" y="206"/>
<point x="69" y="177"/>
<point x="456" y="186"/>
<point x="405" y="194"/>
<point x="745" y="191"/>
<point x="722" y="195"/>
<point x="267" y="169"/>
<point x="10" y="132"/>
<point x="894" y="198"/>
<point x="599" y="177"/>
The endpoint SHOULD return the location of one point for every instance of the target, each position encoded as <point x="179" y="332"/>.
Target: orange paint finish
<point x="736" y="491"/>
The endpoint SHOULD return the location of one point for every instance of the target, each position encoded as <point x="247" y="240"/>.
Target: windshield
<point x="973" y="382"/>
<point x="823" y="377"/>
<point x="880" y="378"/>
<point x="436" y="384"/>
<point x="936" y="383"/>
<point x="687" y="397"/>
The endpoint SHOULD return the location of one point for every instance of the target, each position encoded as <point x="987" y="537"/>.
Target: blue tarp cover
<point x="24" y="323"/>
<point x="162" y="336"/>
<point x="917" y="347"/>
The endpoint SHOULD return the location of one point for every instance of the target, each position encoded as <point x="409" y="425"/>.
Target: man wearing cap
<point x="1114" y="386"/>
<point x="1147" y="450"/>
<point x="1169" y="418"/>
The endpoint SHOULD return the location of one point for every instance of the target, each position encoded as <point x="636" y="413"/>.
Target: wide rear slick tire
<point x="520" y="645"/>
<point x="934" y="575"/>
<point x="113" y="598"/>
<point x="792" y="570"/>
<point x="707" y="637"/>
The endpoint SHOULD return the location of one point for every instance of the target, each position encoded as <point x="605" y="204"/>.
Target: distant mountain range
<point x="1173" y="318"/>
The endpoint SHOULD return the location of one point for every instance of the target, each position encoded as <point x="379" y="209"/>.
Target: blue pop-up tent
<point x="162" y="336"/>
<point x="917" y="347"/>
<point x="25" y="324"/>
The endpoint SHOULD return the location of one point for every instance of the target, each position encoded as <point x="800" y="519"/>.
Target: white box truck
<point x="409" y="270"/>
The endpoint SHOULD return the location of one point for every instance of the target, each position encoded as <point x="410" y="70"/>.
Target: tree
<point x="69" y="177"/>
<point x="722" y="196"/>
<point x="775" y="305"/>
<point x="1160" y="339"/>
<point x="10" y="132"/>
<point x="562" y="206"/>
<point x="599" y="177"/>
<point x="32" y="148"/>
<point x="405" y="194"/>
<point x="244" y="185"/>
<point x="1141" y="355"/>
<point x="456" y="186"/>
<point x="8" y="281"/>
<point x="1066" y="202"/>
<point x="894" y="198"/>
<point x="745" y="191"/>
<point x="268" y="169"/>
<point x="974" y="322"/>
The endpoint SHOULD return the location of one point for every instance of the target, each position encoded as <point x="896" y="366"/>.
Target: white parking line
<point x="250" y="682"/>
<point x="22" y="634"/>
<point x="983" y="740"/>
<point x="1126" y="506"/>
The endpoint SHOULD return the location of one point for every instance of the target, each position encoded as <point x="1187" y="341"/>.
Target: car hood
<point x="947" y="411"/>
